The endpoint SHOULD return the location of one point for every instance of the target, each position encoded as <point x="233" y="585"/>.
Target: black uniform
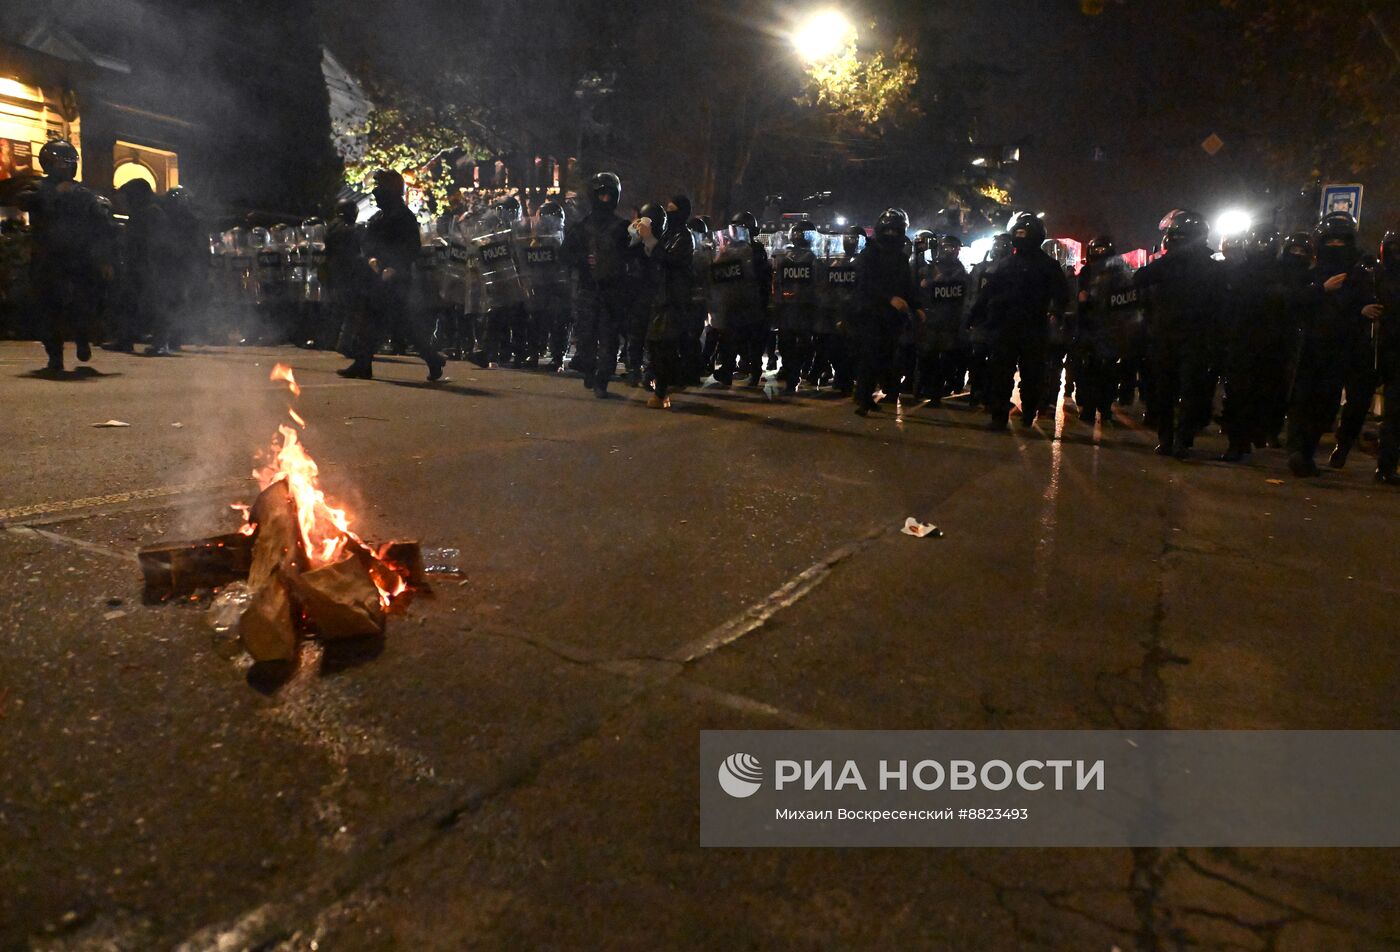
<point x="1261" y="338"/>
<point x="1336" y="352"/>
<point x="882" y="273"/>
<point x="1109" y="321"/>
<point x="1388" y="367"/>
<point x="1013" y="311"/>
<point x="945" y="292"/>
<point x="670" y="281"/>
<point x="1183" y="292"/>
<point x="391" y="240"/>
<point x="71" y="248"/>
<point x="597" y="249"/>
<point x="795" y="274"/>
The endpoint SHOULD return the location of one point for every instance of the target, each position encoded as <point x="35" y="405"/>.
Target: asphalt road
<point x="514" y="766"/>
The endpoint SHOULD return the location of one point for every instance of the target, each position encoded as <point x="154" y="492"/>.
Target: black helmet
<point x="1233" y="245"/>
<point x="551" y="209"/>
<point x="892" y="227"/>
<point x="1263" y="243"/>
<point x="853" y="239"/>
<point x="508" y="209"/>
<point x="606" y="189"/>
<point x="743" y="226"/>
<point x="1335" y="225"/>
<point x="1099" y="248"/>
<point x="1001" y="246"/>
<point x="1026" y="231"/>
<point x="802" y="231"/>
<point x="1181" y="226"/>
<point x="388" y="186"/>
<point x="949" y="246"/>
<point x="58" y="156"/>
<point x="1299" y="244"/>
<point x="347" y="211"/>
<point x="1390" y="250"/>
<point x="654" y="212"/>
<point x="698" y="223"/>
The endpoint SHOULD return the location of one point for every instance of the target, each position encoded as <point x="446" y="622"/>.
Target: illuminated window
<point x="160" y="167"/>
<point x="130" y="172"/>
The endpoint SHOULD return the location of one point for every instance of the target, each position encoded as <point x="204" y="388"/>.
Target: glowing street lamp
<point x="823" y="35"/>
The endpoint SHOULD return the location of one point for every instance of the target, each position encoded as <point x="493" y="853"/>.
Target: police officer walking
<point x="884" y="289"/>
<point x="1336" y="335"/>
<point x="1023" y="293"/>
<point x="1261" y="338"/>
<point x="597" y="249"/>
<point x="390" y="248"/>
<point x="669" y="281"/>
<point x="70" y="260"/>
<point x="1183" y="292"/>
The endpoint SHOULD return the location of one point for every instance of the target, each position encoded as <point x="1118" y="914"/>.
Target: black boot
<point x="1338" y="459"/>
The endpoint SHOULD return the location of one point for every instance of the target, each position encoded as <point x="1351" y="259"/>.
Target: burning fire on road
<point x="306" y="571"/>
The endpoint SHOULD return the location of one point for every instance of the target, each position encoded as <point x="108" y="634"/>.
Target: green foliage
<point x="864" y="93"/>
<point x="410" y="134"/>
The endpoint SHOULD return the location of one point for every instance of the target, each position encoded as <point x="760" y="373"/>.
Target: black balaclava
<point x="1336" y="258"/>
<point x="676" y="220"/>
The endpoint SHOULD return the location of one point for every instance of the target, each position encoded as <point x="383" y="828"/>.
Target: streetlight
<point x="822" y="35"/>
<point x="1233" y="221"/>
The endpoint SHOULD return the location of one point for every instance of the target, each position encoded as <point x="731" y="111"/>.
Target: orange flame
<point x="325" y="529"/>
<point x="283" y="372"/>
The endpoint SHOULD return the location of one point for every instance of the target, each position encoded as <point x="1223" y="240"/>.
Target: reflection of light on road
<point x="1047" y="524"/>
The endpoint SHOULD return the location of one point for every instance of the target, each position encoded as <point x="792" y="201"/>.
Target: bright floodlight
<point x="1233" y="221"/>
<point x="841" y="221"/>
<point x="823" y="35"/>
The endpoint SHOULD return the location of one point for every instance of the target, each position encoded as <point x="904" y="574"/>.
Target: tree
<point x="417" y="136"/>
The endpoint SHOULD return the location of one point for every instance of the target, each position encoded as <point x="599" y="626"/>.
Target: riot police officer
<point x="1336" y="346"/>
<point x="1023" y="293"/>
<point x="345" y="273"/>
<point x="697" y="352"/>
<point x="70" y="257"/>
<point x="390" y="248"/>
<point x="1183" y="292"/>
<point x="751" y="337"/>
<point x="1109" y="321"/>
<point x="547" y="283"/>
<point x="497" y="239"/>
<point x="945" y="288"/>
<point x="1387" y="350"/>
<point x="795" y="292"/>
<point x="1361" y="365"/>
<point x="737" y="313"/>
<point x="836" y="285"/>
<point x="670" y="276"/>
<point x="1261" y="336"/>
<point x="883" y="309"/>
<point x="597" y="249"/>
<point x="975" y="338"/>
<point x="150" y="277"/>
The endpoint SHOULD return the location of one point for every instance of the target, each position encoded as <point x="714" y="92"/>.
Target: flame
<point x="325" y="529"/>
<point x="283" y="372"/>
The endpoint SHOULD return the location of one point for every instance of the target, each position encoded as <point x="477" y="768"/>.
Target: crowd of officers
<point x="1289" y="326"/>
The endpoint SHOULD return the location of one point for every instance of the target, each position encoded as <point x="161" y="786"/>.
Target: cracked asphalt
<point x="514" y="765"/>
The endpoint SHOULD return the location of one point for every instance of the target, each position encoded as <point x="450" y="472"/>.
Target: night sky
<point x="1110" y="110"/>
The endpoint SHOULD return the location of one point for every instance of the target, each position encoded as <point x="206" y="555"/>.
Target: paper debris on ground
<point x="914" y="527"/>
<point x="112" y="423"/>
